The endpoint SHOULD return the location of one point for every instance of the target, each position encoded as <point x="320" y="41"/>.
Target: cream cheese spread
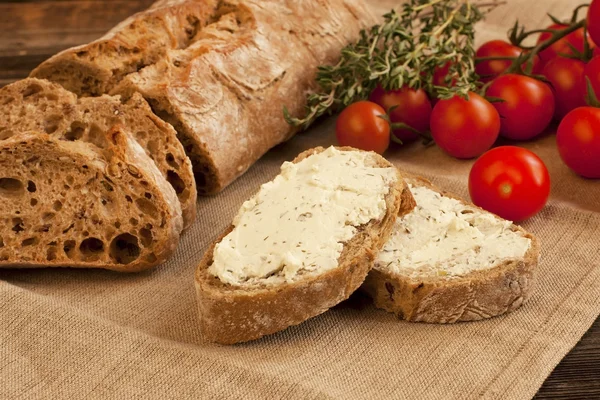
<point x="446" y="237"/>
<point x="297" y="224"/>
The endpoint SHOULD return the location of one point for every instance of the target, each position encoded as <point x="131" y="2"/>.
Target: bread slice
<point x="237" y="306"/>
<point x="73" y="204"/>
<point x="42" y="106"/>
<point x="450" y="261"/>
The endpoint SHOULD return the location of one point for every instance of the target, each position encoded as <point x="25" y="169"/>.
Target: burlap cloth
<point x="97" y="334"/>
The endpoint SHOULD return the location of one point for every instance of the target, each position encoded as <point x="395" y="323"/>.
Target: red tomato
<point x="566" y="77"/>
<point x="412" y="108"/>
<point x="562" y="45"/>
<point x="596" y="51"/>
<point x="578" y="140"/>
<point x="465" y="128"/>
<point x="591" y="72"/>
<point x="360" y="125"/>
<point x="593" y="21"/>
<point x="511" y="182"/>
<point x="527" y="108"/>
<point x="499" y="48"/>
<point x="440" y="73"/>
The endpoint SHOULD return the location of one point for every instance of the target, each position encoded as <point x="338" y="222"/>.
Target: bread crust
<point x="231" y="315"/>
<point x="123" y="157"/>
<point x="474" y="296"/>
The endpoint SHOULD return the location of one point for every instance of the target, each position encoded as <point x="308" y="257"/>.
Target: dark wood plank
<point x="33" y="30"/>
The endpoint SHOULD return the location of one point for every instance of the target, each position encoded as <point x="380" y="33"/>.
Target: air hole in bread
<point x="148" y="195"/>
<point x="141" y="135"/>
<point x="151" y="258"/>
<point x="6" y="133"/>
<point x="51" y="96"/>
<point x="82" y="53"/>
<point x="57" y="205"/>
<point x="69" y="248"/>
<point x="85" y="234"/>
<point x="152" y="147"/>
<point x="31" y="89"/>
<point x="45" y="228"/>
<point x="133" y="171"/>
<point x="146" y="235"/>
<point x="70" y="180"/>
<point x="76" y="131"/>
<point x="466" y="212"/>
<point x="10" y="187"/>
<point x="147" y="207"/>
<point x="8" y="100"/>
<point x="107" y="186"/>
<point x="91" y="247"/>
<point x="117" y="224"/>
<point x="31" y="188"/>
<point x="1" y="243"/>
<point x="175" y="180"/>
<point x="51" y="123"/>
<point x="47" y="216"/>
<point x="133" y="221"/>
<point x="145" y="183"/>
<point x="171" y="161"/>
<point x="4" y="257"/>
<point x="51" y="254"/>
<point x="33" y="202"/>
<point x="124" y="249"/>
<point x="96" y="136"/>
<point x="128" y="198"/>
<point x="17" y="225"/>
<point x="29" y="242"/>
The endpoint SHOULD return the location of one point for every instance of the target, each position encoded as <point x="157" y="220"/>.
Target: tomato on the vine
<point x="591" y="73"/>
<point x="488" y="69"/>
<point x="566" y="77"/>
<point x="578" y="140"/>
<point x="562" y="46"/>
<point x="511" y="182"/>
<point x="593" y="20"/>
<point x="412" y="107"/>
<point x="360" y="125"/>
<point x="440" y="73"/>
<point x="527" y="107"/>
<point x="465" y="128"/>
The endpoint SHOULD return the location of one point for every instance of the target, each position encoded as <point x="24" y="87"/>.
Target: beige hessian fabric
<point x="94" y="334"/>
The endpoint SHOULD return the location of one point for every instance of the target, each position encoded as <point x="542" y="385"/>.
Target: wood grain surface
<point x="31" y="31"/>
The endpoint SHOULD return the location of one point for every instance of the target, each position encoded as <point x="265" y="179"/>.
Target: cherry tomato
<point x="465" y="128"/>
<point x="591" y="73"/>
<point x="575" y="39"/>
<point x="578" y="140"/>
<point x="527" y="108"/>
<point x="412" y="108"/>
<point x="440" y="73"/>
<point x="593" y="21"/>
<point x="511" y="182"/>
<point x="499" y="48"/>
<point x="360" y="125"/>
<point x="566" y="77"/>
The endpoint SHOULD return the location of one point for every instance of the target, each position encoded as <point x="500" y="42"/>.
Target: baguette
<point x="73" y="204"/>
<point x="289" y="291"/>
<point x="39" y="105"/>
<point x="425" y="273"/>
<point x="197" y="78"/>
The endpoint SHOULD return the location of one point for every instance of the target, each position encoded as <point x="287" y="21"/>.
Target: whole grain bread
<point x="223" y="80"/>
<point x="42" y="106"/>
<point x="73" y="204"/>
<point x="440" y="298"/>
<point x="231" y="314"/>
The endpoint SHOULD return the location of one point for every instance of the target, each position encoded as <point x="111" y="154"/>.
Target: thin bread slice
<point x="450" y="261"/>
<point x="41" y="106"/>
<point x="72" y="204"/>
<point x="302" y="277"/>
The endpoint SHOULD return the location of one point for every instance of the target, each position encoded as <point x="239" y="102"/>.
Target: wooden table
<point x="33" y="30"/>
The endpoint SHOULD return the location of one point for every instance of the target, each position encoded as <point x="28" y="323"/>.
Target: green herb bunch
<point x="404" y="50"/>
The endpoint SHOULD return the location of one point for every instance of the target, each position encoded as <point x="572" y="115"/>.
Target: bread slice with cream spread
<point x="450" y="261"/>
<point x="301" y="245"/>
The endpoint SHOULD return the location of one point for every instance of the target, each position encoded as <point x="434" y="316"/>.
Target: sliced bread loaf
<point x="450" y="261"/>
<point x="301" y="245"/>
<point x="42" y="106"/>
<point x="73" y="204"/>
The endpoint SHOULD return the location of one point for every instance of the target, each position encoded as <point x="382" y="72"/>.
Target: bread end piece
<point x="474" y="296"/>
<point x="230" y="315"/>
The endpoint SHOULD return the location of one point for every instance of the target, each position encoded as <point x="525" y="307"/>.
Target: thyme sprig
<point x="404" y="50"/>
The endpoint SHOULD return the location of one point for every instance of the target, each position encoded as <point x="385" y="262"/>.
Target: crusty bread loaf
<point x="221" y="81"/>
<point x="41" y="106"/>
<point x="440" y="293"/>
<point x="231" y="313"/>
<point x="73" y="204"/>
